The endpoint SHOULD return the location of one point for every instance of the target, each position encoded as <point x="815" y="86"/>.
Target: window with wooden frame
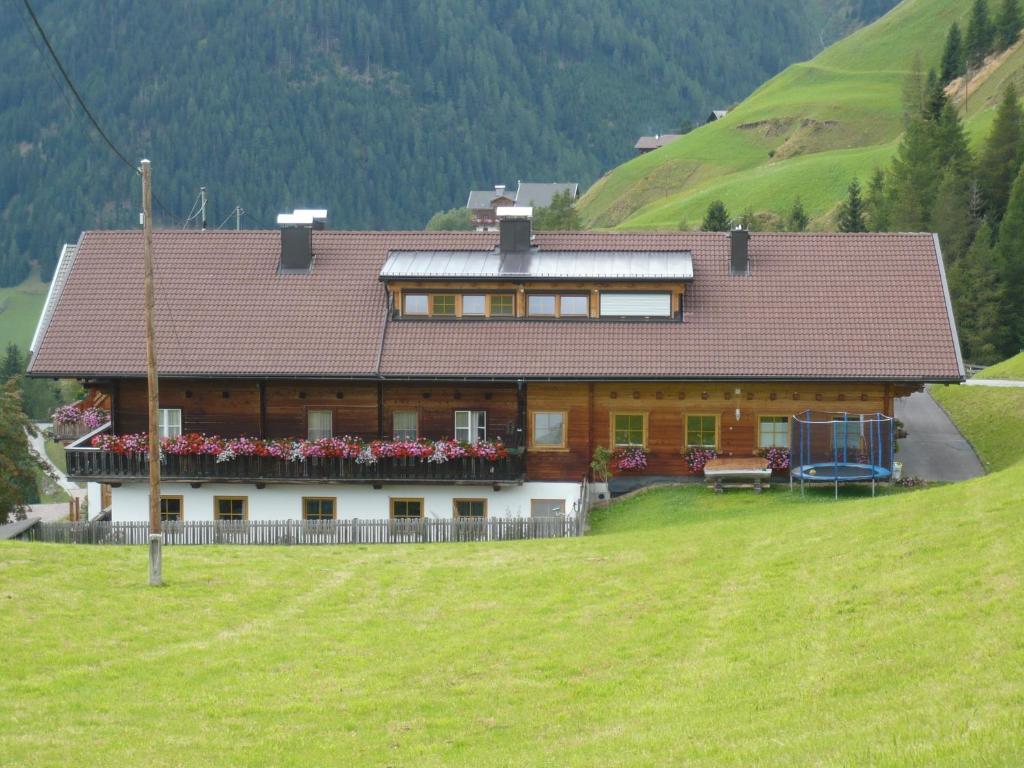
<point x="415" y="304"/>
<point x="406" y="509"/>
<point x="235" y="508"/>
<point x="773" y="431"/>
<point x="405" y="425"/>
<point x="320" y="424"/>
<point x="470" y="508"/>
<point x="700" y="431"/>
<point x="548" y="430"/>
<point x="172" y="509"/>
<point x="169" y="422"/>
<point x="557" y="305"/>
<point x="319" y="508"/>
<point x="629" y="429"/>
<point x="470" y="426"/>
<point x="502" y="304"/>
<point x="442" y="304"/>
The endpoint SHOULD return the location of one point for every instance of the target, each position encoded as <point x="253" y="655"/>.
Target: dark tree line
<point x="383" y="111"/>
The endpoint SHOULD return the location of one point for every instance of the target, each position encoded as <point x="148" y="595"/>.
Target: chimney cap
<point x="302" y="216"/>
<point x="514" y="212"/>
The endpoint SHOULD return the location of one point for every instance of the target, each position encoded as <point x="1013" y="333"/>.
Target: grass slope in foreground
<point x="805" y="132"/>
<point x="690" y="629"/>
<point x="1008" y="369"/>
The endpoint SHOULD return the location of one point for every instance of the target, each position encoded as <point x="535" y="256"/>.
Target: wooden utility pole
<point x="154" y="423"/>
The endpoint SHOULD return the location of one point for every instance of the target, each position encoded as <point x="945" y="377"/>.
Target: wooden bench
<point x="752" y="472"/>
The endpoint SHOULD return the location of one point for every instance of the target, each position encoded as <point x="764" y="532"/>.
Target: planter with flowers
<point x="778" y="459"/>
<point x="630" y="459"/>
<point x="72" y="421"/>
<point x="697" y="457"/>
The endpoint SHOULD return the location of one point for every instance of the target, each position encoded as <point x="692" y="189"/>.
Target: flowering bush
<point x="93" y="418"/>
<point x="66" y="414"/>
<point x="364" y="452"/>
<point x="911" y="481"/>
<point x="778" y="458"/>
<point x="696" y="458"/>
<point x="631" y="459"/>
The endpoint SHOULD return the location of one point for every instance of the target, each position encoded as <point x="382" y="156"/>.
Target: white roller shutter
<point x="636" y="305"/>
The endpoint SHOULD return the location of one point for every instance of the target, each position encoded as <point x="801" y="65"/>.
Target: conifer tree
<point x="798" y="220"/>
<point x="979" y="301"/>
<point x="851" y="211"/>
<point x="876" y="205"/>
<point x="17" y="463"/>
<point x="717" y="218"/>
<point x="560" y="215"/>
<point x="1009" y="24"/>
<point x="913" y="90"/>
<point x="914" y="180"/>
<point x="952" y="218"/>
<point x="1011" y="265"/>
<point x="980" y="34"/>
<point x="1001" y="159"/>
<point x="935" y="97"/>
<point x="954" y="63"/>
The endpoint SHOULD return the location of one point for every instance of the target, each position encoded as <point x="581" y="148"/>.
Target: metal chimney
<point x="297" y="238"/>
<point x="739" y="255"/>
<point x="515" y="227"/>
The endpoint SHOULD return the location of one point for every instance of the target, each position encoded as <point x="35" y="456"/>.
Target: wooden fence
<point x="313" y="532"/>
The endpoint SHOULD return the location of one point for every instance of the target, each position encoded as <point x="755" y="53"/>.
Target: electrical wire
<point x="85" y="108"/>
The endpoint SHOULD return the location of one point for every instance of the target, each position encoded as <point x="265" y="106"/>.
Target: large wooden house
<point x="540" y="347"/>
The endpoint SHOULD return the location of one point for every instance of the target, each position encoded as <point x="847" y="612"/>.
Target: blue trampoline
<point x="842" y="448"/>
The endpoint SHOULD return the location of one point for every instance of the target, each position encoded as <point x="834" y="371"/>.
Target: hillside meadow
<point x="806" y="132"/>
<point x="688" y="629"/>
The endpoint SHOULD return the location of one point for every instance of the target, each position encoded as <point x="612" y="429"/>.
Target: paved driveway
<point x="934" y="449"/>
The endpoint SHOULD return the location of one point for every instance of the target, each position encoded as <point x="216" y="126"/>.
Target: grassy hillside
<point x="991" y="418"/>
<point x="805" y="132"/>
<point x="20" y="307"/>
<point x="689" y="629"/>
<point x="1008" y="369"/>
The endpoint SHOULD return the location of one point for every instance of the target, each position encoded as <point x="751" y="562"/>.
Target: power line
<point x="85" y="108"/>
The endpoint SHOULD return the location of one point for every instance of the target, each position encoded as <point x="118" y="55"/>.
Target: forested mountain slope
<point x="806" y="132"/>
<point x="384" y="111"/>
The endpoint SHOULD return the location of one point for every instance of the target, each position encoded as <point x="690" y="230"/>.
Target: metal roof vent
<point x="297" y="238"/>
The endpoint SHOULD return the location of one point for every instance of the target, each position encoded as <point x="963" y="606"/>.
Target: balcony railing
<point x="86" y="463"/>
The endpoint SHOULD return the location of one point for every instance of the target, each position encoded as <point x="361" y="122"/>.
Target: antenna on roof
<point x="202" y="207"/>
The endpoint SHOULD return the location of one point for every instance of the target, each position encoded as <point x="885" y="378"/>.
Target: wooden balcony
<point x="88" y="464"/>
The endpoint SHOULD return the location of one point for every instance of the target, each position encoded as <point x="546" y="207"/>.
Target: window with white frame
<point x="170" y="422"/>
<point x="773" y="432"/>
<point x="470" y="426"/>
<point x="405" y="425"/>
<point x="321" y="425"/>
<point x="549" y="429"/>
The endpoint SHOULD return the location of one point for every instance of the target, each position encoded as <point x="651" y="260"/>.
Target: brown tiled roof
<point x="820" y="306"/>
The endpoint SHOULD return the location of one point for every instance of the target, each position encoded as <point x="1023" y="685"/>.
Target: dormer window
<point x="557" y="305"/>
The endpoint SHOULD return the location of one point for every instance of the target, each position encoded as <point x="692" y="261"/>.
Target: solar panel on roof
<point x="595" y="265"/>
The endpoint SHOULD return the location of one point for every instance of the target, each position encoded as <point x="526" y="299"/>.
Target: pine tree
<point x="1011" y="265"/>
<point x="980" y="34"/>
<point x="935" y="97"/>
<point x="798" y="220"/>
<point x="952" y="218"/>
<point x="913" y="90"/>
<point x="1009" y="24"/>
<point x="954" y="63"/>
<point x="949" y="141"/>
<point x="12" y="363"/>
<point x="1001" y="159"/>
<point x="17" y="463"/>
<point x="877" y="204"/>
<point x="914" y="180"/>
<point x="851" y="211"/>
<point x="717" y="218"/>
<point x="979" y="301"/>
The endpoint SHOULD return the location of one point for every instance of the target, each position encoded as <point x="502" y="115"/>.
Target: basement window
<point x="406" y="509"/>
<point x="172" y="509"/>
<point x="318" y="508"/>
<point x="234" y="508"/>
<point x="471" y="508"/>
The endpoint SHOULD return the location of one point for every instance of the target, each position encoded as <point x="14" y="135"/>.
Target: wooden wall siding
<point x="573" y="462"/>
<point x="436" y="405"/>
<point x="353" y="413"/>
<point x="666" y="404"/>
<point x="206" y="410"/>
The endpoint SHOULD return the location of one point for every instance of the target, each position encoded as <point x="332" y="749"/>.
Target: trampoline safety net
<point x="842" y="447"/>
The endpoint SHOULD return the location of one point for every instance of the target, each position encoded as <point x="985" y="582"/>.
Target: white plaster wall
<point x="94" y="498"/>
<point x="284" y="501"/>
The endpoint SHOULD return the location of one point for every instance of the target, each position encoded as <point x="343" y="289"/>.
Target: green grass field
<point x="991" y="418"/>
<point x="1008" y="369"/>
<point x="805" y="132"/>
<point x="689" y="629"/>
<point x="20" y="307"/>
